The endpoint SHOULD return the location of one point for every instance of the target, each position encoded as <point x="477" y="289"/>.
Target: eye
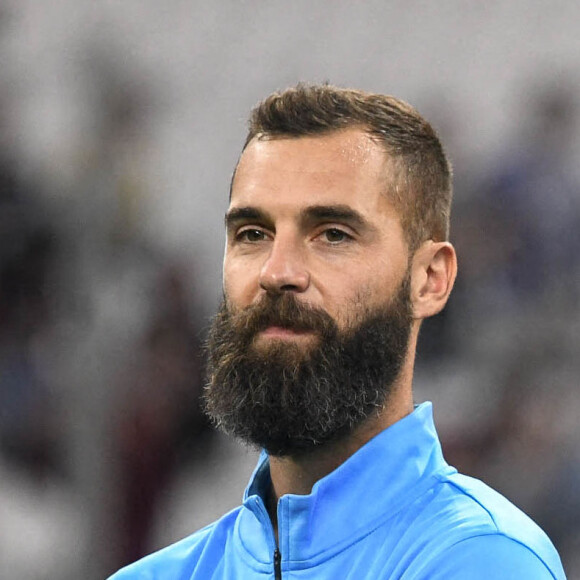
<point x="335" y="236"/>
<point x="251" y="235"/>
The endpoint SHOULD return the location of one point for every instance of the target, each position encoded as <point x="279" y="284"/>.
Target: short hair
<point x="422" y="186"/>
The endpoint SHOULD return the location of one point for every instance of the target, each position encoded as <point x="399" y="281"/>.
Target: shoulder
<point x="179" y="560"/>
<point x="490" y="556"/>
<point x="482" y="530"/>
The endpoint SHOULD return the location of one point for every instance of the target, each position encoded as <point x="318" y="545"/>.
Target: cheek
<point x="239" y="283"/>
<point x="363" y="287"/>
<point x="344" y="295"/>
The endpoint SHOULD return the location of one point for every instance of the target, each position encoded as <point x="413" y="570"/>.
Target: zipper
<point x="277" y="565"/>
<point x="264" y="518"/>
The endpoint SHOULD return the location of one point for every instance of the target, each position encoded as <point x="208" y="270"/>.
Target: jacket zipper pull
<point x="277" y="565"/>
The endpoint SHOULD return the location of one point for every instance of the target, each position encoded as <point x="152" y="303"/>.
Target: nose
<point x="284" y="269"/>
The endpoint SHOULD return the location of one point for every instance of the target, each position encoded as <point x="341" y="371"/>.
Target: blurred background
<point x="120" y="126"/>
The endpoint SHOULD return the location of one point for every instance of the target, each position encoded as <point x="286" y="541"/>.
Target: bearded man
<point x="337" y="249"/>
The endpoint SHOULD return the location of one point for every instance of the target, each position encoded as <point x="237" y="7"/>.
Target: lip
<point x="283" y="333"/>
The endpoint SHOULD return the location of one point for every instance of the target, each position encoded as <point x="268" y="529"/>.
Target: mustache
<point x="285" y="311"/>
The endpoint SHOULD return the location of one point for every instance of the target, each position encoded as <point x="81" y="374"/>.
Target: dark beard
<point x="290" y="398"/>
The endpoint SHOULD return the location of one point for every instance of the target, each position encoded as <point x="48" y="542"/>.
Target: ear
<point x="433" y="272"/>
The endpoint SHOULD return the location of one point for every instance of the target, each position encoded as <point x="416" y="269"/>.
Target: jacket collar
<point x="372" y="485"/>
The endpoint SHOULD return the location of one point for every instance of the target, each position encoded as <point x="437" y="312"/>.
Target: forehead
<point x="345" y="166"/>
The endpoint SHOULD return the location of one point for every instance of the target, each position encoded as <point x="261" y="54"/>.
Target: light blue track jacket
<point x="394" y="510"/>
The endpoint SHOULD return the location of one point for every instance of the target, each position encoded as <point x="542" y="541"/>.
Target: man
<point x="336" y="251"/>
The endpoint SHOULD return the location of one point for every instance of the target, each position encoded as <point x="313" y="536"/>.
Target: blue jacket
<point x="394" y="510"/>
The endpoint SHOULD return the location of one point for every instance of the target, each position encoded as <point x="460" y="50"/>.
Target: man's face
<point x="310" y="216"/>
<point x="315" y="323"/>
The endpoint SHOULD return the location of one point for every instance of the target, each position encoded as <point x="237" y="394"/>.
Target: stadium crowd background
<point x="120" y="125"/>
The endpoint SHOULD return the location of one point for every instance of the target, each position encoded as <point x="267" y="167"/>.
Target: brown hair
<point x="421" y="188"/>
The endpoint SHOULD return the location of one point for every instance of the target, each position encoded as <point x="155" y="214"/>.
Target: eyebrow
<point x="338" y="212"/>
<point x="342" y="213"/>
<point x="241" y="214"/>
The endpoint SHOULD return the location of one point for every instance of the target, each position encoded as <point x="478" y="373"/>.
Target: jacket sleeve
<point x="491" y="556"/>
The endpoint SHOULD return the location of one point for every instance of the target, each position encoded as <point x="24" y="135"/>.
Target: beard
<point x="290" y="397"/>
